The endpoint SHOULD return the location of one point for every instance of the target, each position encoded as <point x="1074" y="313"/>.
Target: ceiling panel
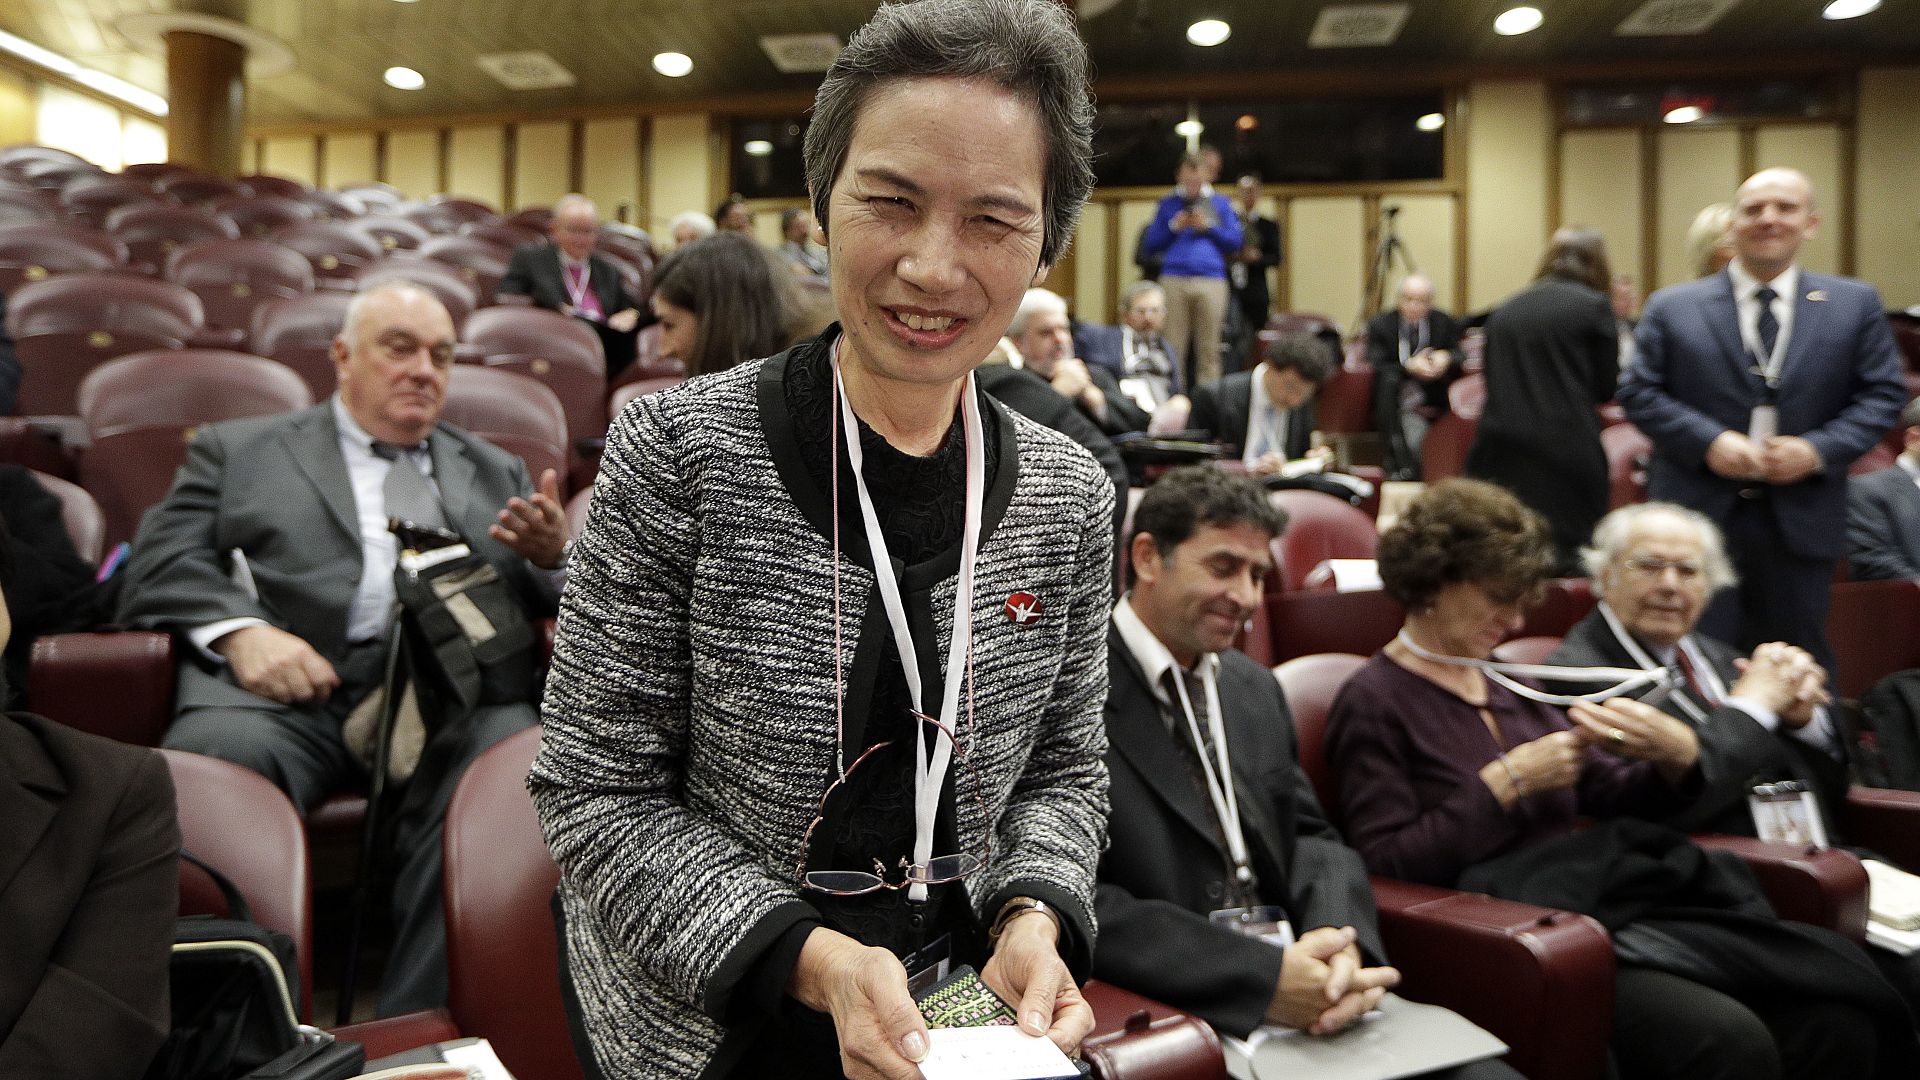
<point x="342" y="46"/>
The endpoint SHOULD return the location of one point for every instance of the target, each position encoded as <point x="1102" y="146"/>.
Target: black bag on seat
<point x="235" y="1013"/>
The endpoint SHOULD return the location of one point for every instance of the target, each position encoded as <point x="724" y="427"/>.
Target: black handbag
<point x="235" y="1016"/>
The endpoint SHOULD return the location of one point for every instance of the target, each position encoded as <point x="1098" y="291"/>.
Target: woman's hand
<point x="881" y="1031"/>
<point x="1637" y="730"/>
<point x="1026" y="968"/>
<point x="1548" y="763"/>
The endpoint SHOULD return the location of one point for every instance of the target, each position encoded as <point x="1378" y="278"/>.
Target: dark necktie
<point x="1767" y="325"/>
<point x="1413" y="338"/>
<point x="408" y="495"/>
<point x="1694" y="682"/>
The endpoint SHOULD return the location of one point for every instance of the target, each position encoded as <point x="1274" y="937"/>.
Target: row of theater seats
<point x="1540" y="979"/>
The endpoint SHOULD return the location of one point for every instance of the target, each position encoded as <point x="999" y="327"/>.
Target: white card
<point x="1764" y="423"/>
<point x="993" y="1053"/>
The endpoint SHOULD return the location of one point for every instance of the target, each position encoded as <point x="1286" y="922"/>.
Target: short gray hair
<point x="362" y="300"/>
<point x="1035" y="302"/>
<point x="701" y="223"/>
<point x="569" y="203"/>
<point x="1030" y="48"/>
<point x="1137" y="290"/>
<point x="1611" y="535"/>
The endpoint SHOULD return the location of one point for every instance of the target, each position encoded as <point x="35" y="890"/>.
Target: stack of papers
<point x="1400" y="1038"/>
<point x="993" y="1053"/>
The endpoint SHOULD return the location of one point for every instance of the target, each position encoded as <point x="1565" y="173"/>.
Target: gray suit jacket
<point x="276" y="488"/>
<point x="1883" y="525"/>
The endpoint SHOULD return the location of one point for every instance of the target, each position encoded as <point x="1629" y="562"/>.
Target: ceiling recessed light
<point x="1189" y="129"/>
<point x="1849" y="9"/>
<point x="1518" y="20"/>
<point x="404" y="78"/>
<point x="1685" y="114"/>
<point x="672" y="64"/>
<point x="1208" y="32"/>
<point x="1433" y="121"/>
<point x="758" y="147"/>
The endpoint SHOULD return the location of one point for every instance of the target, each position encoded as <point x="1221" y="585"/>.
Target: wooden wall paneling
<point x="679" y="174"/>
<point x="413" y="162"/>
<point x="543" y="165"/>
<point x="1888" y="159"/>
<point x="349" y="158"/>
<point x="1697" y="167"/>
<point x="1814" y="149"/>
<point x="1508" y="142"/>
<point x="1092" y="299"/>
<point x="610" y="167"/>
<point x="1600" y="188"/>
<point x="1133" y="216"/>
<point x="1326" y="256"/>
<point x="290" y="156"/>
<point x="476" y="160"/>
<point x="1426" y="227"/>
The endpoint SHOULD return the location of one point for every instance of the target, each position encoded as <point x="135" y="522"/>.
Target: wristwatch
<point x="1017" y="906"/>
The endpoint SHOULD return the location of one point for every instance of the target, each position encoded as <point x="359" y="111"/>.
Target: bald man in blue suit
<point x="1759" y="386"/>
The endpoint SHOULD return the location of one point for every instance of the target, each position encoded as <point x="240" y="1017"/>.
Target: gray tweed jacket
<point x="690" y="709"/>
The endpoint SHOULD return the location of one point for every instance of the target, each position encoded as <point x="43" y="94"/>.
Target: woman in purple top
<point x="1441" y="768"/>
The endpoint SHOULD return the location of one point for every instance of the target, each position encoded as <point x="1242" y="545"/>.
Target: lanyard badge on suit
<point x="1764" y="422"/>
<point x="929" y="775"/>
<point x="1267" y="922"/>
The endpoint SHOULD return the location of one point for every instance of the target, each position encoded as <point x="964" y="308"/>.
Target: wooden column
<point x="207" y="102"/>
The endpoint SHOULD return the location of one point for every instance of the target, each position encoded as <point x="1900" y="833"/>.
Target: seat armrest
<point x="1822" y="888"/>
<point x="1885" y="821"/>
<point x="118" y="684"/>
<point x="1539" y="978"/>
<point x="1137" y="1038"/>
<point x="392" y="1034"/>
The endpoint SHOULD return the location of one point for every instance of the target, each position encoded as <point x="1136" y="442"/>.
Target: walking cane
<point x="376" y="790"/>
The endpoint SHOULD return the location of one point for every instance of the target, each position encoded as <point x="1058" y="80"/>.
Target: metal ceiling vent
<point x="1673" y="18"/>
<point x="1358" y="26"/>
<point x="526" y="70"/>
<point x="801" y="54"/>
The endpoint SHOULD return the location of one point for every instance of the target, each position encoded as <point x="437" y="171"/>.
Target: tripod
<point x="1390" y="248"/>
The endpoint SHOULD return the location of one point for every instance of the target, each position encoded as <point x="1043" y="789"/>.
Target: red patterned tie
<point x="1694" y="682"/>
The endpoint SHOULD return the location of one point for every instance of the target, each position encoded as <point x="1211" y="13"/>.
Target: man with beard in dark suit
<point x="566" y="276"/>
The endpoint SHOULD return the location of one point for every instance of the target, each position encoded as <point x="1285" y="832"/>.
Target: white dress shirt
<point x="1266" y="425"/>
<point x="1155" y="660"/>
<point x="1787" y="286"/>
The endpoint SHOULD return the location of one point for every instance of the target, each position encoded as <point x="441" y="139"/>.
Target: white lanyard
<point x="929" y="776"/>
<point x="1640" y="656"/>
<point x="1509" y="675"/>
<point x="577" y="293"/>
<point x="1768" y="366"/>
<point x="1226" y="806"/>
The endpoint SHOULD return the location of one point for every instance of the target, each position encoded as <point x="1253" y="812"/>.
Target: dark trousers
<point x="1781" y="596"/>
<point x="300" y="750"/>
<point x="1666" y="1026"/>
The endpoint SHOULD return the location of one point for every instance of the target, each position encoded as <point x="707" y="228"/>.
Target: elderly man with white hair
<point x="1758" y="719"/>
<point x="1043" y="334"/>
<point x="568" y="276"/>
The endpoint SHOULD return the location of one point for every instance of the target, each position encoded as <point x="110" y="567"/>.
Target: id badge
<point x="1764" y="424"/>
<point x="1787" y="813"/>
<point x="1268" y="922"/>
<point x="930" y="965"/>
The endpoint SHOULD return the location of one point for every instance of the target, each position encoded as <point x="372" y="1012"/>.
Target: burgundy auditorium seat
<point x="152" y="233"/>
<point x="259" y="216"/>
<point x="1874" y="630"/>
<point x="639" y="388"/>
<point x="1542" y="980"/>
<point x="559" y="350"/>
<point x="1627" y="449"/>
<point x="149" y="171"/>
<point x="298" y="331"/>
<point x="467" y="211"/>
<point x="390" y="232"/>
<point x="1527" y="650"/>
<point x="577" y="510"/>
<point x="335" y="249"/>
<point x="1444" y="451"/>
<point x="378" y="198"/>
<point x="512" y="411"/>
<point x="79" y="513"/>
<point x="479" y="263"/>
<point x="1319" y="527"/>
<point x="333" y="205"/>
<point x="536" y="218"/>
<point x="139" y="411"/>
<point x="90" y="203"/>
<point x="504" y="234"/>
<point x="232" y="277"/>
<point x="189" y="189"/>
<point x="26" y="153"/>
<point x="436" y="220"/>
<point x="21" y="206"/>
<point x="33" y="252"/>
<point x="1319" y="620"/>
<point x="52" y="175"/>
<point x="235" y="820"/>
<point x="263" y="184"/>
<point x="1565" y="602"/>
<point x="66" y="326"/>
<point x="436" y="277"/>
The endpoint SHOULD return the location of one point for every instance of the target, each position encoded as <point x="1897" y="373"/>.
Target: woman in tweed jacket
<point x="705" y="657"/>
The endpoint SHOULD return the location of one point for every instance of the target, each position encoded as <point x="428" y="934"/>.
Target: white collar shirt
<point x="1266" y="426"/>
<point x="1155" y="661"/>
<point x="1786" y="286"/>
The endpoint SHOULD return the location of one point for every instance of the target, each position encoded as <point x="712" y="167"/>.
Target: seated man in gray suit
<point x="1755" y="719"/>
<point x="270" y="557"/>
<point x="1883" y="512"/>
<point x="1043" y="334"/>
<point x="1181" y="850"/>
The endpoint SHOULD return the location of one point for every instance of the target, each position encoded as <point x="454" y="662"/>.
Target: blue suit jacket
<point x="1691" y="379"/>
<point x="1107" y="346"/>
